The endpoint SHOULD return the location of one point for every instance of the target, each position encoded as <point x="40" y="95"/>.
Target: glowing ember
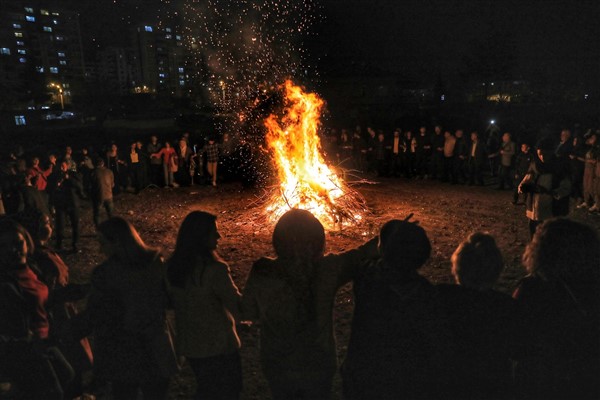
<point x="306" y="182"/>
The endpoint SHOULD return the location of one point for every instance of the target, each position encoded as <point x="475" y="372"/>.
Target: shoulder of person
<point x="215" y="266"/>
<point x="530" y="286"/>
<point x="265" y="266"/>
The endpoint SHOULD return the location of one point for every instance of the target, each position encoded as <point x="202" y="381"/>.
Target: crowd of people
<point x="453" y="156"/>
<point x="409" y="338"/>
<point x="55" y="183"/>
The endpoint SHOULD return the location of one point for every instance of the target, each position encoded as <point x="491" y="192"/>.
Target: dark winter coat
<point x="559" y="340"/>
<point x="65" y="190"/>
<point x="481" y="327"/>
<point x="399" y="340"/>
<point x="126" y="310"/>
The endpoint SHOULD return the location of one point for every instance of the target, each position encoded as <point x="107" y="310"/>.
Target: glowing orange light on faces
<point x="306" y="181"/>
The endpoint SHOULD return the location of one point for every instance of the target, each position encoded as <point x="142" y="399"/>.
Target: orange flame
<point x="306" y="181"/>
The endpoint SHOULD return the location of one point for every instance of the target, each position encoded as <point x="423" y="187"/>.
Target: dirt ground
<point x="447" y="212"/>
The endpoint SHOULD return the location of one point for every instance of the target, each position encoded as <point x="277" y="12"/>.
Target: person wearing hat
<point x="548" y="185"/>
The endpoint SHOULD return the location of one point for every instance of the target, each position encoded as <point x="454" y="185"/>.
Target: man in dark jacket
<point x="522" y="164"/>
<point x="476" y="160"/>
<point x="103" y="181"/>
<point x="65" y="190"/>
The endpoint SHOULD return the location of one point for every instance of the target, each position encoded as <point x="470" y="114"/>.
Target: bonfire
<point x="305" y="180"/>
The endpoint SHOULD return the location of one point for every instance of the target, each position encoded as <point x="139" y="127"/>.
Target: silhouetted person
<point x="480" y="322"/>
<point x="476" y="160"/>
<point x="24" y="322"/>
<point x="397" y="343"/>
<point x="206" y="303"/>
<point x="54" y="273"/>
<point x="102" y="184"/>
<point x="292" y="297"/>
<point x="65" y="190"/>
<point x="558" y="314"/>
<point x="548" y="184"/>
<point x="126" y="310"/>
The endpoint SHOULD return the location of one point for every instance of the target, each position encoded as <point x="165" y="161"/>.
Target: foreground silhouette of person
<point x="398" y="340"/>
<point x="26" y="350"/>
<point x="480" y="321"/>
<point x="293" y="296"/>
<point x="558" y="314"/>
<point x="206" y="303"/>
<point x="62" y="295"/>
<point x="127" y="311"/>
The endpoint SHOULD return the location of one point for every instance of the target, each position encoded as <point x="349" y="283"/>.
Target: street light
<point x="60" y="94"/>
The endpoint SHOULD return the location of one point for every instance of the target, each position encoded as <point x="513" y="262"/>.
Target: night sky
<point x="422" y="40"/>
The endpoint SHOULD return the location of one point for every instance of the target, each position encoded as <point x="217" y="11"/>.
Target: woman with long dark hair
<point x="293" y="296"/>
<point x="206" y="303"/>
<point x="127" y="311"/>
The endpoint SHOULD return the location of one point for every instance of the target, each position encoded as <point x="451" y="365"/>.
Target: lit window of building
<point x="178" y="37"/>
<point x="30" y="18"/>
<point x="22" y="60"/>
<point x="55" y="14"/>
<point x="29" y="10"/>
<point x="168" y="37"/>
<point x="17" y="26"/>
<point x="60" y="38"/>
<point x="5" y="51"/>
<point x="161" y="75"/>
<point x="180" y="70"/>
<point x="20" y="43"/>
<point x="40" y="69"/>
<point x="22" y="51"/>
<point x="62" y="62"/>
<point x="181" y="83"/>
<point x="54" y="70"/>
<point x="18" y="34"/>
<point x="61" y="54"/>
<point x="47" y="29"/>
<point x="20" y="120"/>
<point x="148" y="28"/>
<point x="44" y="12"/>
<point x="167" y="29"/>
<point x="66" y="85"/>
<point x="55" y="22"/>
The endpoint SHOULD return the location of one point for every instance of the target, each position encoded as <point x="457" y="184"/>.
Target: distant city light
<point x="20" y="120"/>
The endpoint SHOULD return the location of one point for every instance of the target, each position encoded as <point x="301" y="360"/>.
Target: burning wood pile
<point x="305" y="180"/>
